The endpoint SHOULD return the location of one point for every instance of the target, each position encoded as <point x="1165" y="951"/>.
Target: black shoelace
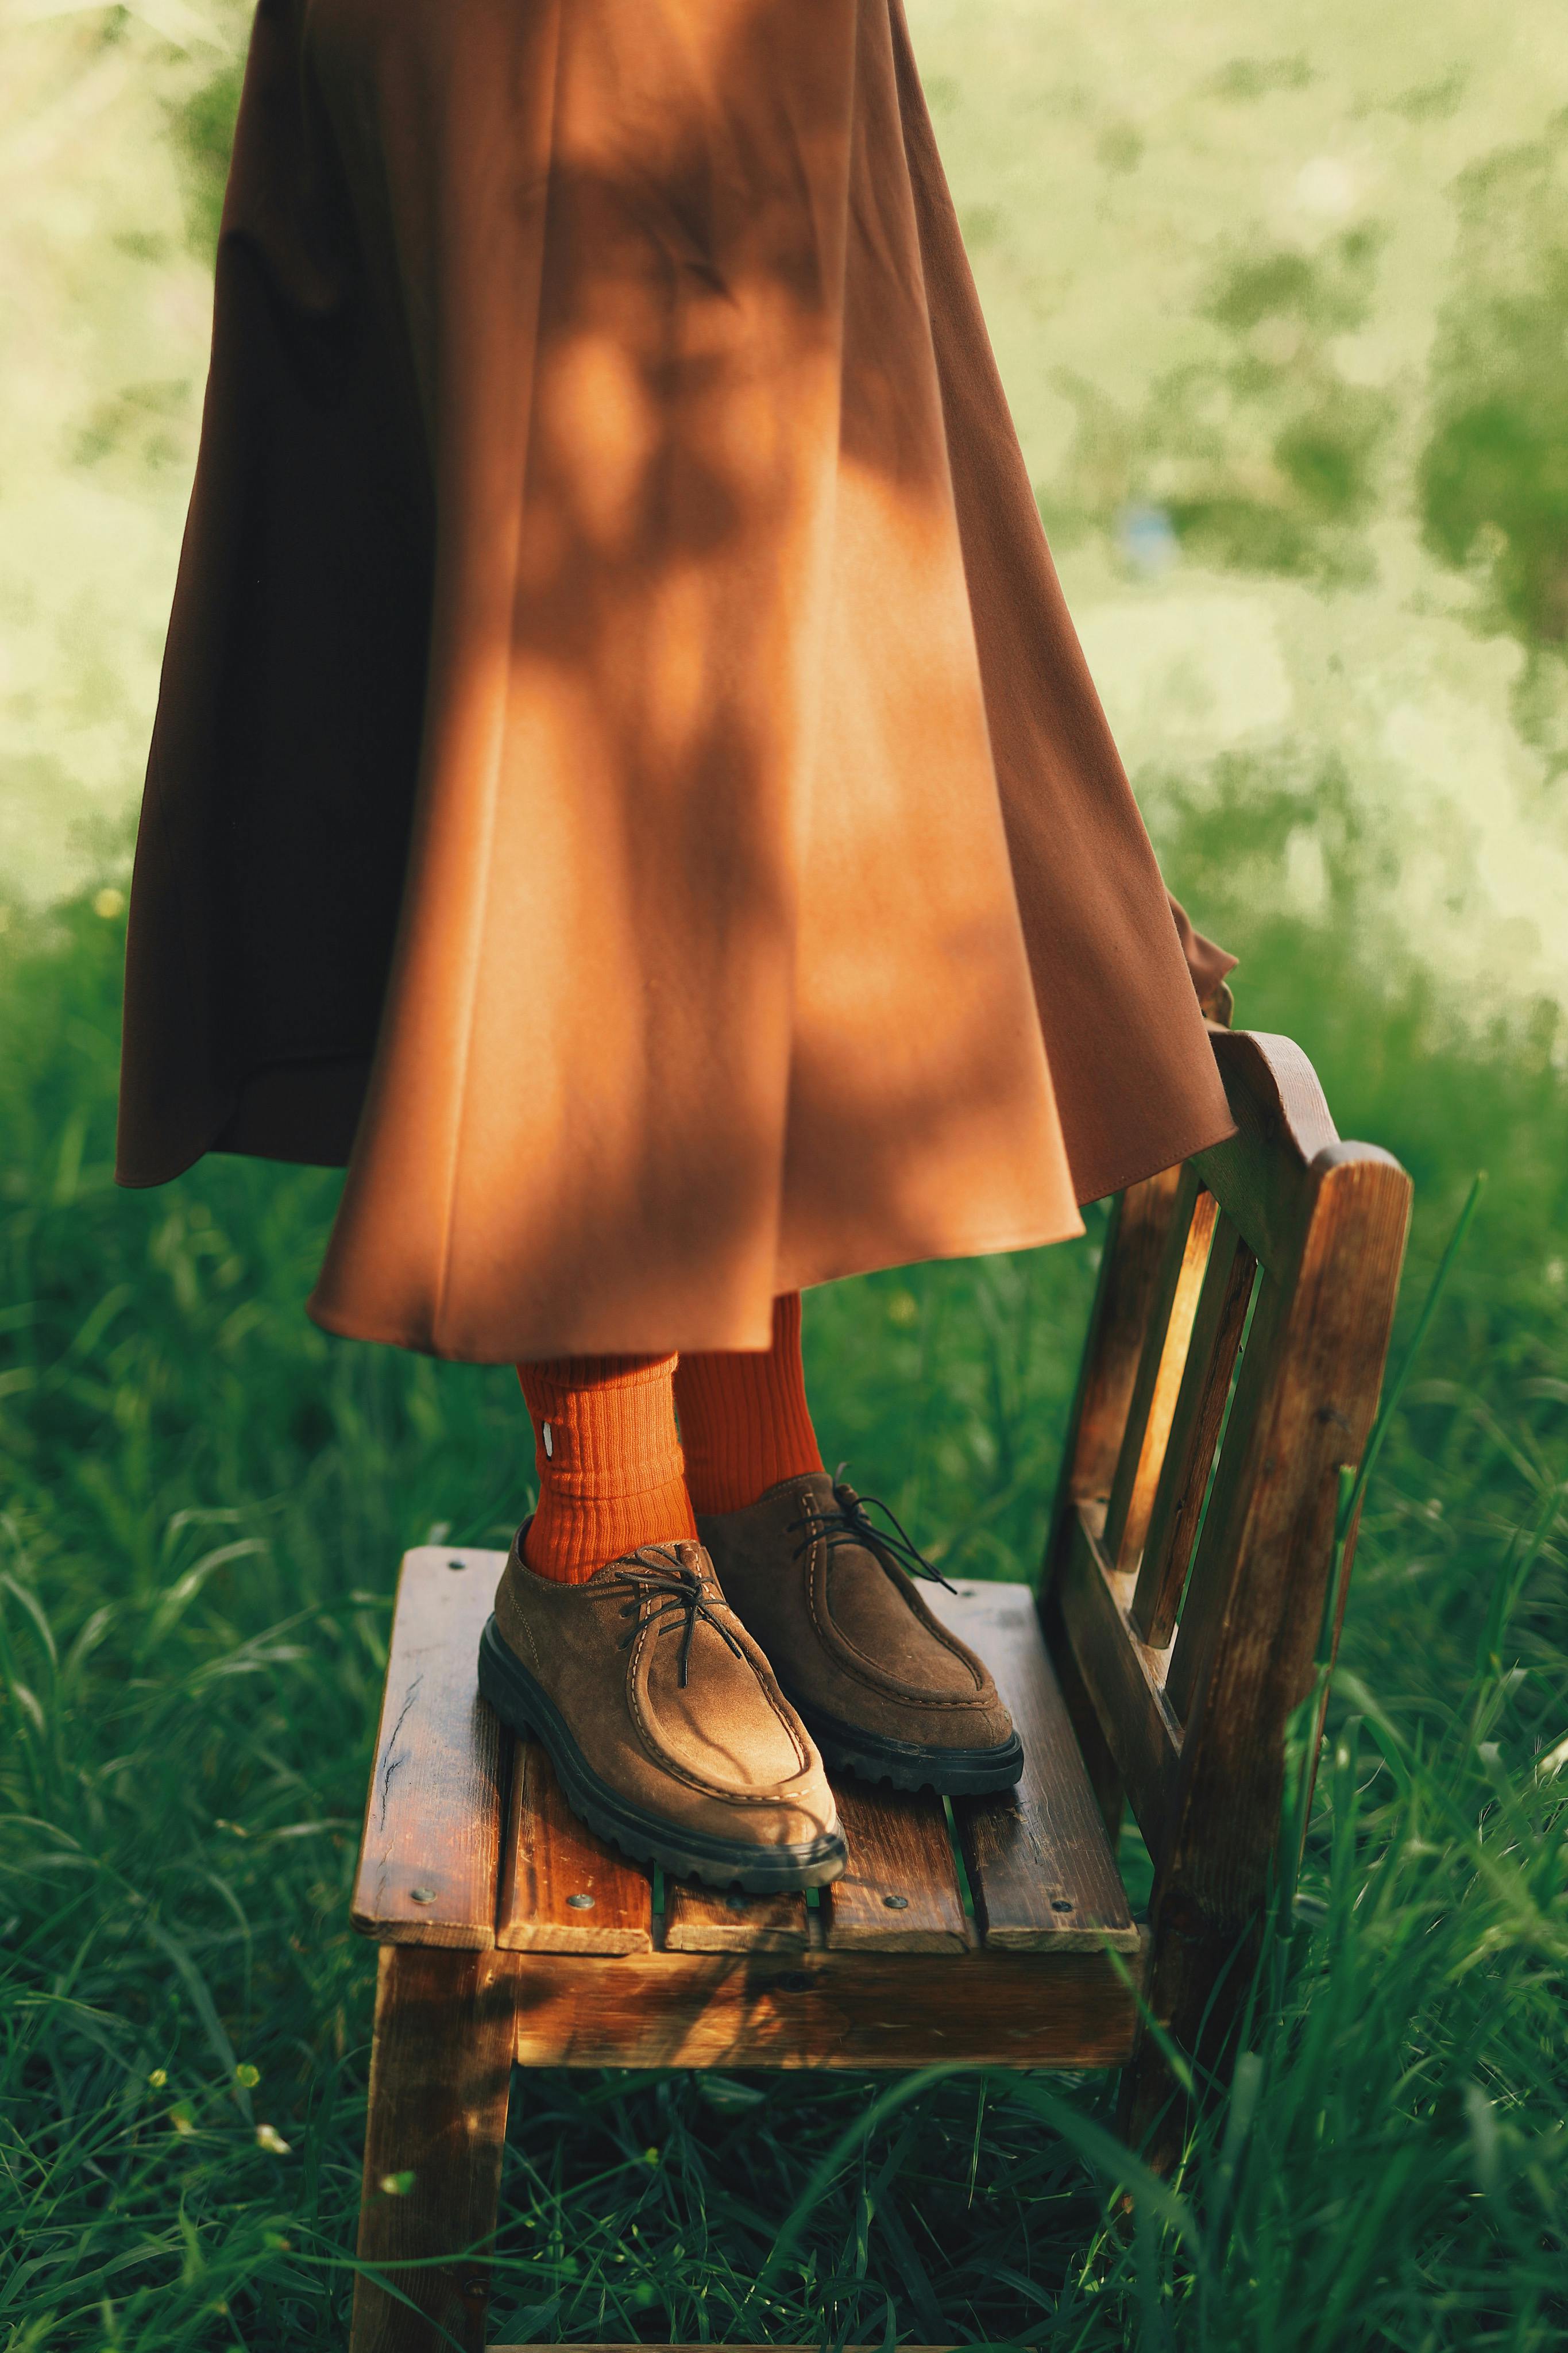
<point x="851" y="1525"/>
<point x="662" y="1586"/>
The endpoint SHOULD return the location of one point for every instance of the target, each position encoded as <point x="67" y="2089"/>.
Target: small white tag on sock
<point x="548" y="1436"/>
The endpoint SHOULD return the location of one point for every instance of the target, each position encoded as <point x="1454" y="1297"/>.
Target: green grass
<point x="204" y="1501"/>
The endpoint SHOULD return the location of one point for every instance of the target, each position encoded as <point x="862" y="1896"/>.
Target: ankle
<point x="569" y="1545"/>
<point x="745" y="1421"/>
<point x="608" y="1460"/>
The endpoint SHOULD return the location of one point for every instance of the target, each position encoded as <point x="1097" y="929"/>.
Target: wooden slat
<point x="1259" y="1176"/>
<point x="1040" y="1866"/>
<point x="1168" y="1381"/>
<point x="1123" y="1676"/>
<point x="430" y="1854"/>
<point x="1134" y="1241"/>
<point x="1303" y="1401"/>
<point x="1172" y="1308"/>
<point x="562" y="1890"/>
<point x="899" y="1894"/>
<point x="1099" y="1761"/>
<point x="1217" y="1327"/>
<point x="822" y="2009"/>
<point x="705" y="1920"/>
<point x="1139" y="1219"/>
<point x="1221" y="1536"/>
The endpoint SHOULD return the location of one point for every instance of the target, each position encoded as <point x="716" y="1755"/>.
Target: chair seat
<point x="469" y="1843"/>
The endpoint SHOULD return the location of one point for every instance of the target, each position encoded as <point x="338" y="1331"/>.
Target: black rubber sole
<point x="905" y="1764"/>
<point x="525" y="1708"/>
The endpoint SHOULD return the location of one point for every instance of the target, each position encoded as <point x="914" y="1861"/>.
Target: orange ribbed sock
<point x="745" y="1421"/>
<point x="608" y="1459"/>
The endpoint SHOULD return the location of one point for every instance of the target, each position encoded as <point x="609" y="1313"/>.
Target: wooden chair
<point x="1232" y="1367"/>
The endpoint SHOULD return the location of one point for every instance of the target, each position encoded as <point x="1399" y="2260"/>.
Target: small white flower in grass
<point x="268" y="2137"/>
<point x="158" y="2078"/>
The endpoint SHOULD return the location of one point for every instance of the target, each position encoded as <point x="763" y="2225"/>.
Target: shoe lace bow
<point x="851" y="1523"/>
<point x="662" y="1587"/>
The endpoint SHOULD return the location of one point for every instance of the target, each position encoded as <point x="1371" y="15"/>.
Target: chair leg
<point x="1151" y="2109"/>
<point x="440" y="2070"/>
<point x="1197" y="1985"/>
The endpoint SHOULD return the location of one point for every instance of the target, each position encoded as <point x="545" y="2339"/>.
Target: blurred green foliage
<point x="201" y="128"/>
<point x="1494" y="475"/>
<point x="1262" y="456"/>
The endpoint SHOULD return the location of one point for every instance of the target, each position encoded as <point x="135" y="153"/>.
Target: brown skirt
<point x="624" y="779"/>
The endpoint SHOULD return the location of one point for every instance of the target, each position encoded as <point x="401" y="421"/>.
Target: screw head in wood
<point x="897" y="1902"/>
<point x="423" y="1895"/>
<point x="579" y="1903"/>
<point x="1062" y="1904"/>
<point x="457" y="1564"/>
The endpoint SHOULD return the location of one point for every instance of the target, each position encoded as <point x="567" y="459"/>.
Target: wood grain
<point x="900" y="1892"/>
<point x="430" y="1853"/>
<point x="700" y="1919"/>
<point x="1313" y="1395"/>
<point x="1129" y="1268"/>
<point x="1245" y="1650"/>
<point x="1099" y="1761"/>
<point x="1259" y="1176"/>
<point x="1040" y="1866"/>
<point x="824" y="2009"/>
<point x="1194" y="1431"/>
<point x="1088" y="1604"/>
<point x="1287" y="1096"/>
<point x="439" y="2075"/>
<point x="1172" y="1305"/>
<point x="1224" y="1531"/>
<point x="1168" y="1379"/>
<point x="561" y="1889"/>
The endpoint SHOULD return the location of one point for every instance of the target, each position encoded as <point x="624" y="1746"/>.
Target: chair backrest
<point x="1234" y="1359"/>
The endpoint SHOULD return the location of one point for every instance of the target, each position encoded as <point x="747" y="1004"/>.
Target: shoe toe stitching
<point x="777" y="1794"/>
<point x="846" y="1654"/>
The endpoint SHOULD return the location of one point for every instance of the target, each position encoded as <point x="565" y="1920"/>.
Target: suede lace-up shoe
<point x="885" y="1690"/>
<point x="668" y="1732"/>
